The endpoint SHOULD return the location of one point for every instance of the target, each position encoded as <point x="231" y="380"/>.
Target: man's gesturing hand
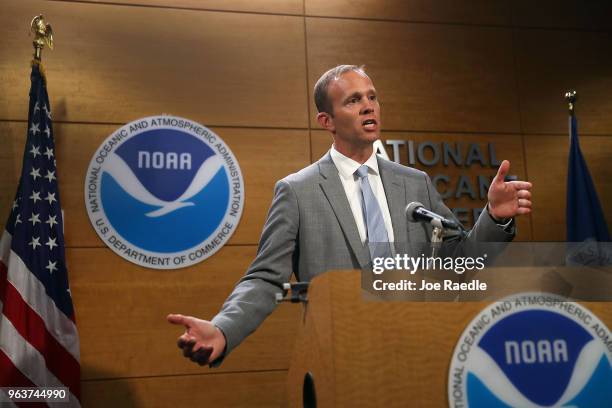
<point x="508" y="198"/>
<point x="202" y="341"/>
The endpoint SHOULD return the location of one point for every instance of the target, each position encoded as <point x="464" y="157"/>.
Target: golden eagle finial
<point x="43" y="34"/>
<point x="571" y="97"/>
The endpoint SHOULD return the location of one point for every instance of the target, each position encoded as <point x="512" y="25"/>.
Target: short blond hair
<point x="321" y="98"/>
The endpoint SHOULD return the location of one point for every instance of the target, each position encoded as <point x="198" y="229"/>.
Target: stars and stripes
<point x="39" y="344"/>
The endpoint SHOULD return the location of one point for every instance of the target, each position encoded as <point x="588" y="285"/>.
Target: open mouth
<point x="369" y="124"/>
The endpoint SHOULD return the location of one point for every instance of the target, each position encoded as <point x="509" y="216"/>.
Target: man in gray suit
<point x="324" y="216"/>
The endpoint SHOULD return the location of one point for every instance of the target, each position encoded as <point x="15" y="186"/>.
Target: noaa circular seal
<point x="164" y="192"/>
<point x="532" y="350"/>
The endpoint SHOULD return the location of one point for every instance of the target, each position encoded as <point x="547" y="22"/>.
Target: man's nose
<point x="367" y="108"/>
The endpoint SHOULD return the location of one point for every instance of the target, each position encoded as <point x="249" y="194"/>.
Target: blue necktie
<point x="378" y="239"/>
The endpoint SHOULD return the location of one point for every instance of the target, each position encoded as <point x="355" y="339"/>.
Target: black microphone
<point x="416" y="212"/>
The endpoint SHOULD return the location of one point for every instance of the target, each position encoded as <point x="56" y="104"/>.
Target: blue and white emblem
<point x="164" y="192"/>
<point x="532" y="350"/>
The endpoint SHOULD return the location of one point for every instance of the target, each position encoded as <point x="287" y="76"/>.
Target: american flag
<point x="39" y="343"/>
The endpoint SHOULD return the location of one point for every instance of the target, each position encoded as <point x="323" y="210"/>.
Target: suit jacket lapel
<point x="395" y="191"/>
<point x="334" y="191"/>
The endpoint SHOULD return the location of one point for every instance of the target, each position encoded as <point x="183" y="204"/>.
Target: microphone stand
<point x="436" y="236"/>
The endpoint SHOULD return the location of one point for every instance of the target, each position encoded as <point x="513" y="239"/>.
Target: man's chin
<point x="371" y="137"/>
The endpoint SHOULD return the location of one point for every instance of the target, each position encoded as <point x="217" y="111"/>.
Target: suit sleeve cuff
<point x="506" y="223"/>
<point x="507" y="231"/>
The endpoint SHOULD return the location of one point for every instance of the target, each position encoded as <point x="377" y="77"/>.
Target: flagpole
<point x="571" y="97"/>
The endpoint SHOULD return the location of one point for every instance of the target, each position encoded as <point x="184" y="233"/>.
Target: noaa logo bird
<point x="119" y="170"/>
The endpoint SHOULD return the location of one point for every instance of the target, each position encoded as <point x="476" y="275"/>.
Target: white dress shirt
<point x="346" y="170"/>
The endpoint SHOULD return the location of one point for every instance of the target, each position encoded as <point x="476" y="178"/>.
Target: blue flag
<point x="585" y="219"/>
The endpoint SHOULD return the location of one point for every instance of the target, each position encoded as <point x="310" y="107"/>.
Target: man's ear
<point x="326" y="121"/>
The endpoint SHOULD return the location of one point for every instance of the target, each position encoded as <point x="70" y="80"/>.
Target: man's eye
<point x="353" y="100"/>
<point x="372" y="97"/>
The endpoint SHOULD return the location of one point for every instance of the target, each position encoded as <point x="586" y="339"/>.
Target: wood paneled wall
<point x="477" y="72"/>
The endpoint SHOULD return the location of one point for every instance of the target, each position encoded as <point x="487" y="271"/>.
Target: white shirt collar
<point x="347" y="166"/>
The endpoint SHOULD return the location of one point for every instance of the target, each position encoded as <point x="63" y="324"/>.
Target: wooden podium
<point x="353" y="352"/>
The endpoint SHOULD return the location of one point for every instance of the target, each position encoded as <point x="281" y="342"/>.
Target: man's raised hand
<point x="508" y="198"/>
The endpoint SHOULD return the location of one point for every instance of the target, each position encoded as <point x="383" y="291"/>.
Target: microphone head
<point x="411" y="208"/>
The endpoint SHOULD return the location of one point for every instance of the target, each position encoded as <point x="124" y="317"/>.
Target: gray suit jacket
<point x="310" y="229"/>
